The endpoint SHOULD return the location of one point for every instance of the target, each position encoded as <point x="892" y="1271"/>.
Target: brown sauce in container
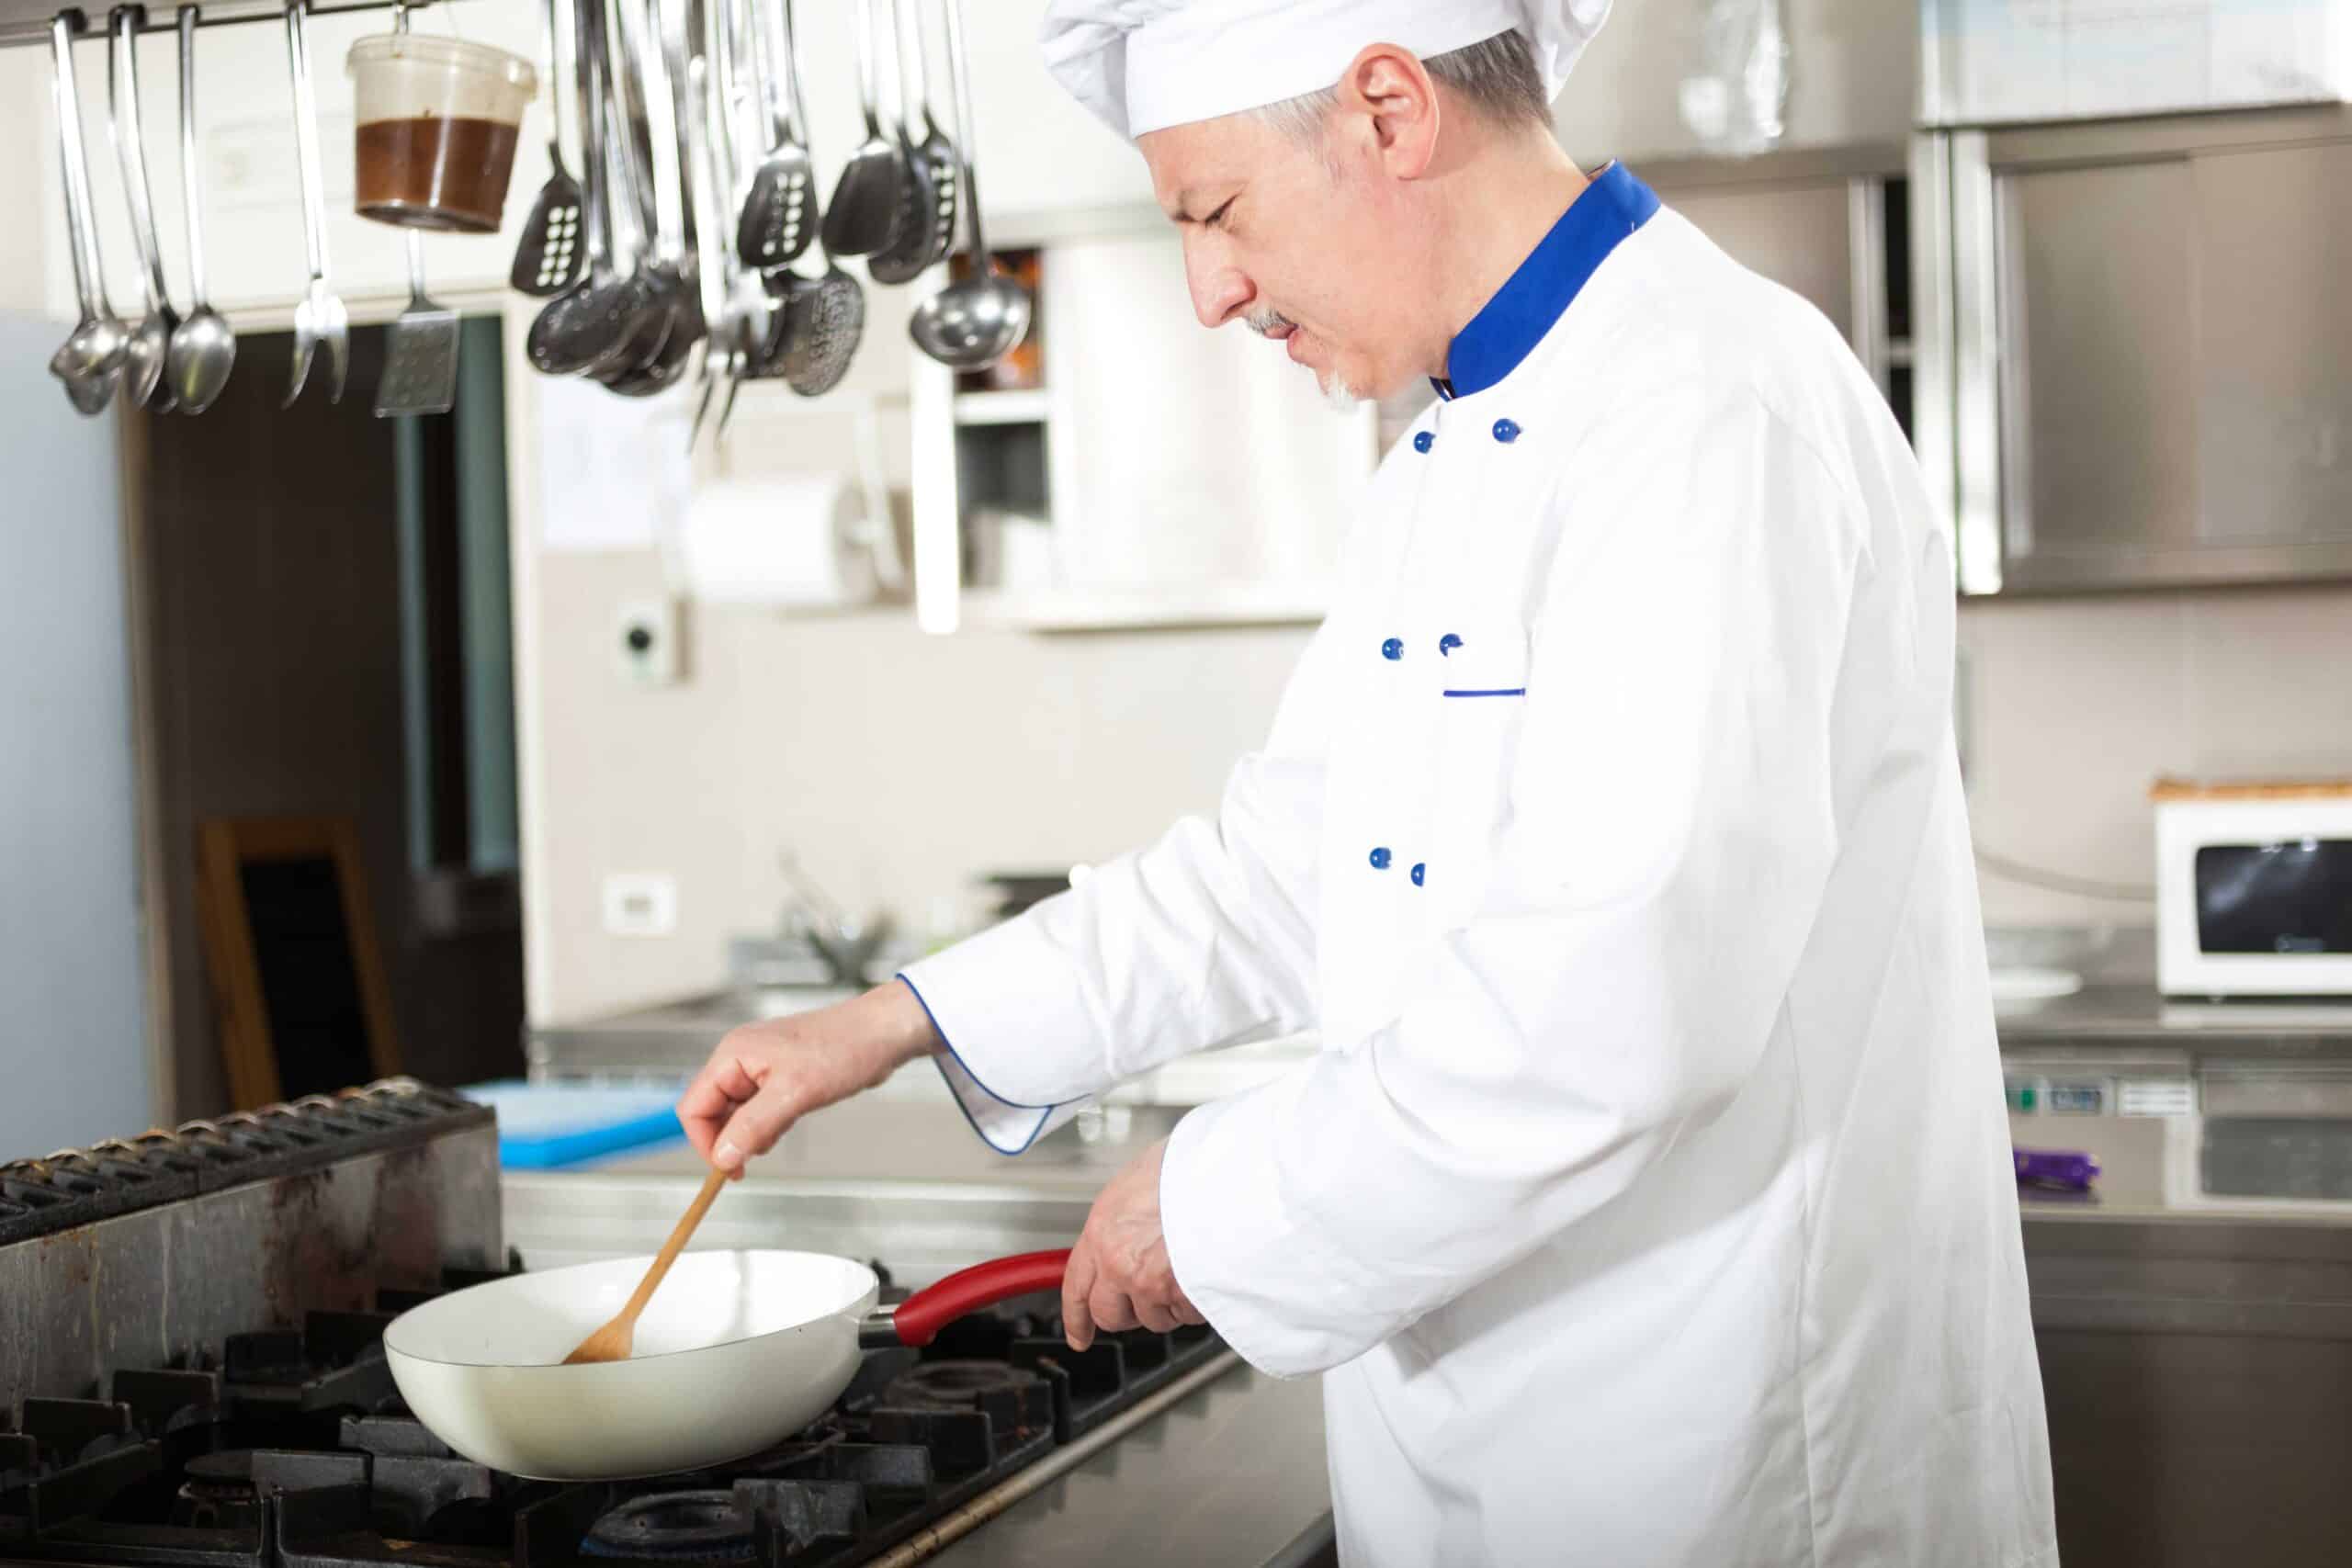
<point x="436" y="172"/>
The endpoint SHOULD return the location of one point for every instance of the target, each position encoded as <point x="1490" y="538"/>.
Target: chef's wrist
<point x="896" y="1027"/>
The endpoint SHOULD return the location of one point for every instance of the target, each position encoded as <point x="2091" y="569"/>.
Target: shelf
<point x="1105" y="610"/>
<point x="1000" y="408"/>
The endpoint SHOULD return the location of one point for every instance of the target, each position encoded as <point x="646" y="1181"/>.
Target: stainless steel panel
<point x="1235" y="1474"/>
<point x="2273" y="336"/>
<point x="1796" y="236"/>
<point x="165" y="1285"/>
<point x="2098" y="364"/>
<point x="1975" y="361"/>
<point x="1932" y="342"/>
<point x="2188" y="1450"/>
<point x="2160" y="300"/>
<point x="2309" y="1090"/>
<point x="1866" y="277"/>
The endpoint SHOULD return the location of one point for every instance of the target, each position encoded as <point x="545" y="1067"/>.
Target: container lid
<point x="453" y="53"/>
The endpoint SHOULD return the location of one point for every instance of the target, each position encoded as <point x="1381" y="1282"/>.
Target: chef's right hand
<point x="764" y="1076"/>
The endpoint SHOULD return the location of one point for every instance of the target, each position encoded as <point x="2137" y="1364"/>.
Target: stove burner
<point x="957" y="1385"/>
<point x="216" y="1491"/>
<point x="674" y="1526"/>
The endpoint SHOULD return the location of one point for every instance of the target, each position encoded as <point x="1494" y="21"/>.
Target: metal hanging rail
<point x="26" y="21"/>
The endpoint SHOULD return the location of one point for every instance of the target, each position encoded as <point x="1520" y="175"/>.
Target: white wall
<point x="24" y="181"/>
<point x="2079" y="704"/>
<point x="899" y="766"/>
<point x="72" y="1025"/>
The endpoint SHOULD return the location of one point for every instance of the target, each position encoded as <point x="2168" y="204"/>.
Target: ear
<point x="1388" y="91"/>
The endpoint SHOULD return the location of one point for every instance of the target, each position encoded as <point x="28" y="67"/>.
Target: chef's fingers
<point x="1159" y="1317"/>
<point x="723" y="1084"/>
<point x="755" y="1126"/>
<point x="1077" y="1279"/>
<point x="1186" y="1312"/>
<point x="1110" y="1308"/>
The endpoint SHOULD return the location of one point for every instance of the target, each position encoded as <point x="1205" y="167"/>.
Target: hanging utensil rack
<point x="26" y="21"/>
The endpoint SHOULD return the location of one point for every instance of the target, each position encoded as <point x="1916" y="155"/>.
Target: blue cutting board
<point x="549" y="1126"/>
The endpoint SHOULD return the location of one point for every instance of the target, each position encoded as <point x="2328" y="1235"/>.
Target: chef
<point x="1648" y="1202"/>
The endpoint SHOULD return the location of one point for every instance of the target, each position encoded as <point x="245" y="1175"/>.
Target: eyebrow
<point x="1182" y="212"/>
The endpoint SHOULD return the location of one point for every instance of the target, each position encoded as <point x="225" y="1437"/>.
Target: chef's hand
<point x="1119" y="1276"/>
<point x="764" y="1076"/>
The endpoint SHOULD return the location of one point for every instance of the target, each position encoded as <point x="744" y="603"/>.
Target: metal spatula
<point x="552" y="254"/>
<point x="420" y="351"/>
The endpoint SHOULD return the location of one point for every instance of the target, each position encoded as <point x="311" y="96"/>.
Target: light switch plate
<point x="641" y="904"/>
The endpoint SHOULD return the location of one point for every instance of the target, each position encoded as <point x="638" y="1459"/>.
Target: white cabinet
<point x="253" y="203"/>
<point x="1160" y="474"/>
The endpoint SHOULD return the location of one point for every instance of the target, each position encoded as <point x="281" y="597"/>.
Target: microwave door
<point x="2289" y="898"/>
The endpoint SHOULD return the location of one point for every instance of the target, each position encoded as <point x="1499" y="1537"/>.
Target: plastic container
<point x="437" y="119"/>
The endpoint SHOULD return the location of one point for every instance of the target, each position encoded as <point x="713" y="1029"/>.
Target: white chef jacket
<point x="1650" y="1201"/>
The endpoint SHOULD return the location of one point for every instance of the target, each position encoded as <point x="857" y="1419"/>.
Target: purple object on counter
<point x="2055" y="1168"/>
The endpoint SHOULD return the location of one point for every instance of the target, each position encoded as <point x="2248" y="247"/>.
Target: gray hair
<point x="1498" y="78"/>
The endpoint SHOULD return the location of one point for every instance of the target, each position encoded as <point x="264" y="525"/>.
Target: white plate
<point x="2012" y="987"/>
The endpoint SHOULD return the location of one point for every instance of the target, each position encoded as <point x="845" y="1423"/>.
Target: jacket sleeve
<point x="1658" y="859"/>
<point x="1203" y="939"/>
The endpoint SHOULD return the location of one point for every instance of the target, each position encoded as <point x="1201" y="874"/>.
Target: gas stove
<point x="290" y="1449"/>
<point x="221" y="1398"/>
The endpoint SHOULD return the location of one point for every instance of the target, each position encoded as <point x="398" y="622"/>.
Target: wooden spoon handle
<point x="676" y="1244"/>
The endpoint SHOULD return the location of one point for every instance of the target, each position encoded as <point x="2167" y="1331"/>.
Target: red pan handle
<point x="917" y="1321"/>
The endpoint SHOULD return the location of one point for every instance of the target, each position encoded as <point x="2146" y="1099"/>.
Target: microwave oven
<point x="2253" y="889"/>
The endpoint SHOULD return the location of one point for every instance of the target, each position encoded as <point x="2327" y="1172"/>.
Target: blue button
<point x="1506" y="431"/>
<point x="1393" y="648"/>
<point x="1380" y="860"/>
<point x="1423" y="441"/>
<point x="1418" y="867"/>
<point x="1447" y="644"/>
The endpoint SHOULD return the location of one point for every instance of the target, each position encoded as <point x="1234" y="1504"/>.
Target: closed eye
<point x="1217" y="220"/>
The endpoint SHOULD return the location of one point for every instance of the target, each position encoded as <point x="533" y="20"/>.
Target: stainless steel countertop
<point x="2138" y="1015"/>
<point x="1231" y="1476"/>
<point x="676" y="1036"/>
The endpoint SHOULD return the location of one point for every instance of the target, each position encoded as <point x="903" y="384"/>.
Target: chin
<point x="1337" y="392"/>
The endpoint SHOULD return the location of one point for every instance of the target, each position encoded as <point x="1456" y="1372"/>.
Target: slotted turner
<point x="552" y="254"/>
<point x="420" y="351"/>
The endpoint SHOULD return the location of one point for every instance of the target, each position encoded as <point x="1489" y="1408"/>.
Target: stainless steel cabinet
<point x="2147" y="328"/>
<point x="1827" y="224"/>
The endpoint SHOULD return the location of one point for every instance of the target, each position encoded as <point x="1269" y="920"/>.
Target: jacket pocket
<point x="1482" y="709"/>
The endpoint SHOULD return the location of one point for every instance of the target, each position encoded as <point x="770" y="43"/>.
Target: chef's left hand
<point x="1119" y="1276"/>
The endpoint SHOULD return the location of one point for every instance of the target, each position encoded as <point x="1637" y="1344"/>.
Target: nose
<point x="1221" y="291"/>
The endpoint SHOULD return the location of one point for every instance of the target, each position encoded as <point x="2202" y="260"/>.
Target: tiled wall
<point x="899" y="766"/>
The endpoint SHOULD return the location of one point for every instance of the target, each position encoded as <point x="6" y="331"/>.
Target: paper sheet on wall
<point x="615" y="473"/>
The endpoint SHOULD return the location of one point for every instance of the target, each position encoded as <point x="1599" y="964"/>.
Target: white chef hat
<point x="1143" y="66"/>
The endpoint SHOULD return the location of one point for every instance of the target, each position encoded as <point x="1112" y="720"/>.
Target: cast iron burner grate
<point x="296" y="1455"/>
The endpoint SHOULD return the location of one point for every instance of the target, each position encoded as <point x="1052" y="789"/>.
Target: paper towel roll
<point x="792" y="541"/>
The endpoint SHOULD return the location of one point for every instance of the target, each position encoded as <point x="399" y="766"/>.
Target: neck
<point x="1502" y="202"/>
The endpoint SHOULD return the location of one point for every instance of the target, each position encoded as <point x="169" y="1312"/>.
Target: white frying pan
<point x="736" y="1352"/>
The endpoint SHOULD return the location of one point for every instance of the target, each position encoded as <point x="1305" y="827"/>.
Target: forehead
<point x="1196" y="165"/>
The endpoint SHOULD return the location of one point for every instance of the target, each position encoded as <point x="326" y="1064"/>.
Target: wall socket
<point x="641" y="904"/>
<point x="648" y="638"/>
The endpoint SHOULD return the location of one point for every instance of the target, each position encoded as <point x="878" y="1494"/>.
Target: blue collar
<point x="1509" y="326"/>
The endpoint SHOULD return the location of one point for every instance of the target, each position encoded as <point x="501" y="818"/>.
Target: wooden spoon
<point x="617" y="1338"/>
